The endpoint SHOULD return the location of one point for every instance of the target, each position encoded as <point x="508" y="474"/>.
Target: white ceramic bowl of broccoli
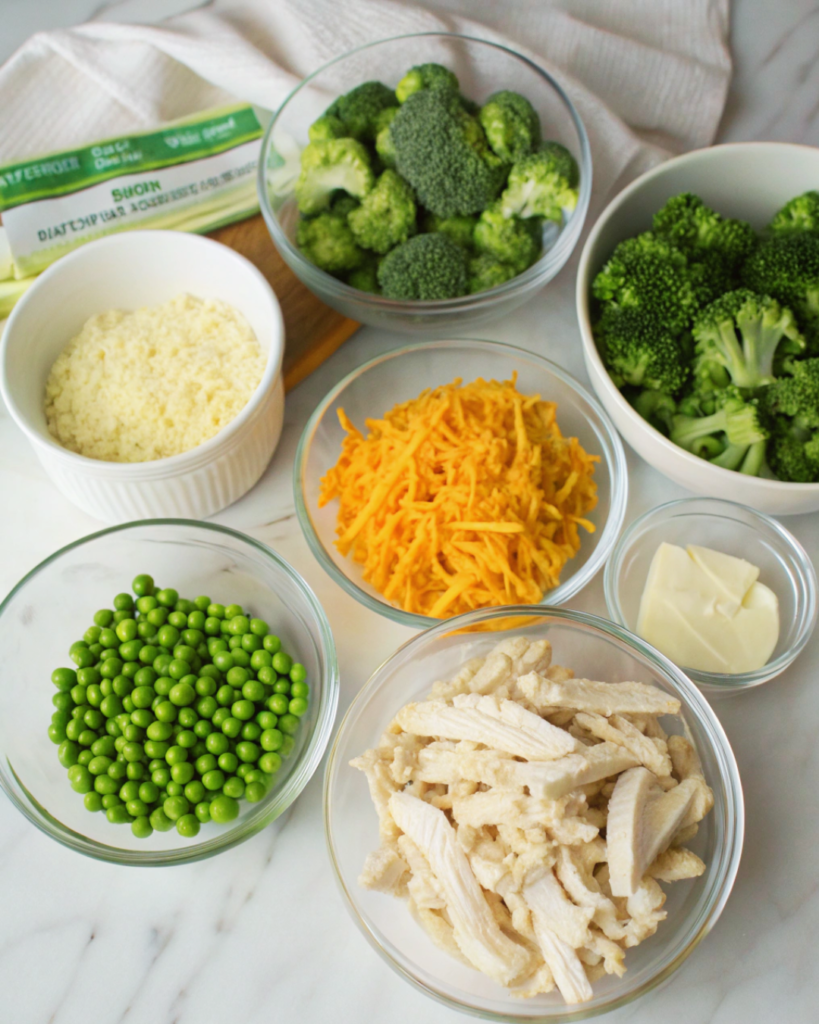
<point x="750" y="181"/>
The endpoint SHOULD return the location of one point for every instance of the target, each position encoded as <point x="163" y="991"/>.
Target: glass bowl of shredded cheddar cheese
<point x="454" y="475"/>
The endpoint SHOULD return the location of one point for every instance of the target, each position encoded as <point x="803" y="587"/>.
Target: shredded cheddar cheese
<point x="466" y="497"/>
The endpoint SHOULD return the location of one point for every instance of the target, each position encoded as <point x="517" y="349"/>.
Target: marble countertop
<point x="261" y="933"/>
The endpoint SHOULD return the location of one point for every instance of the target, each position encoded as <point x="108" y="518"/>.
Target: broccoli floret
<point x="738" y="338"/>
<point x="486" y="272"/>
<point x="459" y="229"/>
<point x="330" y="165"/>
<point x="343" y="204"/>
<point x="732" y="436"/>
<point x="692" y="226"/>
<point x="443" y="153"/>
<point x="800" y="214"/>
<point x="427" y="267"/>
<point x="656" y="407"/>
<point x="383" y="139"/>
<point x="543" y="184"/>
<point x="425" y="76"/>
<point x="792" y="403"/>
<point x="358" y="109"/>
<point x="787" y="268"/>
<point x="326" y="127"/>
<point x="639" y="350"/>
<point x="365" y="277"/>
<point x="647" y="273"/>
<point x="511" y="124"/>
<point x="508" y="239"/>
<point x="328" y="242"/>
<point x="386" y="215"/>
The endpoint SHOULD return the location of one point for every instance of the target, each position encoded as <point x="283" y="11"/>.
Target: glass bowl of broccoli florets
<point x="698" y="302"/>
<point x="426" y="181"/>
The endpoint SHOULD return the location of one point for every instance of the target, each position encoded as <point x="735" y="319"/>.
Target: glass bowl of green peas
<point x="169" y="688"/>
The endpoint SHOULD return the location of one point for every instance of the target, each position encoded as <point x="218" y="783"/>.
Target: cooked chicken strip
<point x="385" y="871"/>
<point x="565" y="965"/>
<point x="601" y="698"/>
<point x="503" y="725"/>
<point x="476" y="931"/>
<point x="546" y="896"/>
<point x="620" y="731"/>
<point x="676" y="864"/>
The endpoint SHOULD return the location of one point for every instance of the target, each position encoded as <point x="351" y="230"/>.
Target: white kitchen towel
<point x="648" y="77"/>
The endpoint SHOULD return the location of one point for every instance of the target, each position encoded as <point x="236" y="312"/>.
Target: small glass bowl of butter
<point x="710" y="582"/>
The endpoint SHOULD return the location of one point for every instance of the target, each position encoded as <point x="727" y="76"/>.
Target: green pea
<point x="120" y="616"/>
<point x="217" y="743"/>
<point x="282" y="686"/>
<point x="156" y="748"/>
<point x="141" y="827"/>
<point x="270" y="763"/>
<point x="254" y="792"/>
<point x="287" y="746"/>
<point x="267" y="720"/>
<point x="127" y="703"/>
<point x="237" y="676"/>
<point x="104" y="746"/>
<point x="135" y="771"/>
<point x="213" y="779"/>
<point x="247" y="751"/>
<point x="174" y="789"/>
<point x="272" y="644"/>
<point x="195" y="791"/>
<point x="129" y="791"/>
<point x="87" y="736"/>
<point x="225" y="695"/>
<point x="142" y="717"/>
<point x="192" y="637"/>
<point x="64" y="679"/>
<point x="251" y="644"/>
<point x="187" y="717"/>
<point x="176" y="754"/>
<point x="159" y="731"/>
<point x="92" y="801"/>
<point x="107" y="686"/>
<point x="299" y="689"/>
<point x="219" y="717"/>
<point x="234" y="787"/>
<point x="202" y="811"/>
<point x="231" y="727"/>
<point x="234" y="643"/>
<point x="118" y="815"/>
<point x="289" y="723"/>
<point x="68" y="752"/>
<point x="181" y="694"/>
<point x="99" y="765"/>
<point x="216" y="611"/>
<point x="182" y="772"/>
<point x="223" y="660"/>
<point x="267" y="675"/>
<point x="85" y="757"/>
<point x="188" y="826"/>
<point x="81" y="656"/>
<point x="78" y="693"/>
<point x="175" y="807"/>
<point x="148" y="792"/>
<point x="254" y="690"/>
<point x="126" y="630"/>
<point x="244" y="769"/>
<point x="92" y="635"/>
<point x="112" y="729"/>
<point x="163" y="685"/>
<point x="271" y="739"/>
<point x="255" y="775"/>
<point x="73" y="730"/>
<point x="186" y="738"/>
<point x="297" y="707"/>
<point x="104" y="784"/>
<point x="161" y="777"/>
<point x="167" y="597"/>
<point x="212" y="626"/>
<point x="216" y="645"/>
<point x="111" y="706"/>
<point x="182" y="652"/>
<point x="117" y="770"/>
<point x="240" y="658"/>
<point x="146" y="676"/>
<point x="160" y="820"/>
<point x="146" y="631"/>
<point x="110" y="800"/>
<point x="205" y="763"/>
<point x="228" y="762"/>
<point x="166" y="711"/>
<point x="239" y="625"/>
<point x="224" y="809"/>
<point x="202" y="728"/>
<point x="158" y="617"/>
<point x="137" y="808"/>
<point x="161" y="662"/>
<point x="250" y="731"/>
<point x="244" y="710"/>
<point x="278" y="704"/>
<point x="259" y="627"/>
<point x="88" y="676"/>
<point x="142" y="585"/>
<point x="178" y="668"/>
<point x="129" y="670"/>
<point x="103" y="617"/>
<point x="133" y="751"/>
<point x="148" y="655"/>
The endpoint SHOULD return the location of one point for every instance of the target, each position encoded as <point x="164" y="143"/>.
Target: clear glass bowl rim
<point x="267" y="811"/>
<point x="807" y="592"/>
<point x="695" y="704"/>
<point x="564" y="591"/>
<point x="539" y="273"/>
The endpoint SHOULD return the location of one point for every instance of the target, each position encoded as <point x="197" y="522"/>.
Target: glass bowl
<point x="54" y="604"/>
<point x="401" y="375"/>
<point x="597" y="649"/>
<point x="482" y="68"/>
<point x="736" y="530"/>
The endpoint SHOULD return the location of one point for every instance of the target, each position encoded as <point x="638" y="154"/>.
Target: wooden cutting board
<point x="313" y="331"/>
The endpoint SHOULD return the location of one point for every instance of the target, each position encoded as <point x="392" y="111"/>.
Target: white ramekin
<point x="750" y="180"/>
<point x="126" y="271"/>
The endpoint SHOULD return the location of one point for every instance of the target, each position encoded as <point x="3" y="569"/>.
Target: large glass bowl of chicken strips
<point x="532" y="814"/>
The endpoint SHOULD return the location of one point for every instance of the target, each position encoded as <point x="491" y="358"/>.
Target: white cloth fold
<point x="648" y="77"/>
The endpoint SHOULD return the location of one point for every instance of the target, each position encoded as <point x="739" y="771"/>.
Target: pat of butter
<point x="706" y="610"/>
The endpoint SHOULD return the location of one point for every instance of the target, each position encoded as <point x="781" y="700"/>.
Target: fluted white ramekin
<point x="125" y="271"/>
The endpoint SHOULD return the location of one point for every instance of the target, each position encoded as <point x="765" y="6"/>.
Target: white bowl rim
<point x="554" y="259"/>
<point x="266" y="812"/>
<point x="784" y="487"/>
<point x="735" y="803"/>
<point x="173" y="464"/>
<point x="608" y="533"/>
<point x="723" y="682"/>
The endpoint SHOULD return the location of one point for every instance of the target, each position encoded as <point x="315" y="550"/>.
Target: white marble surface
<point x="261" y="933"/>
